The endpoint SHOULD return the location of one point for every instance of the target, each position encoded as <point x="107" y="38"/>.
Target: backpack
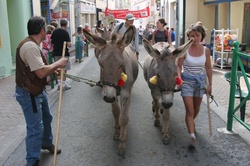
<point x="120" y="26"/>
<point x="165" y="32"/>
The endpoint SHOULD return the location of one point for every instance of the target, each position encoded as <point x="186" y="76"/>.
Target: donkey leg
<point x="116" y="114"/>
<point x="157" y="107"/>
<point x="166" y="117"/>
<point x="124" y="118"/>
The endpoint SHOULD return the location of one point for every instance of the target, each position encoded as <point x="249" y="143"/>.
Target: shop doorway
<point x="246" y="26"/>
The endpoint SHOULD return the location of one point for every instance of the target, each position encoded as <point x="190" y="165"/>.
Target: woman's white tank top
<point x="194" y="65"/>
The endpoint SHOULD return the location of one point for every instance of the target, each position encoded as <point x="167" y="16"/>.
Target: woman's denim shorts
<point x="188" y="89"/>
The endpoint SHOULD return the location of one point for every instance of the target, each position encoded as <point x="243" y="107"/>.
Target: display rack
<point x="222" y="47"/>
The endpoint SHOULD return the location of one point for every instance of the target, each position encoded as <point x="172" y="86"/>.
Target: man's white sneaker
<point x="64" y="88"/>
<point x="67" y="87"/>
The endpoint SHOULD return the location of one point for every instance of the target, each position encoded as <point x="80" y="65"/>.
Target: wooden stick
<point x="209" y="115"/>
<point x="59" y="107"/>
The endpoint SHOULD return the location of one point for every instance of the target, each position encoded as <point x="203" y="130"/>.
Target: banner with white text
<point x="121" y="14"/>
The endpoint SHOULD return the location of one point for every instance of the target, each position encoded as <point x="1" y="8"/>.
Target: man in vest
<point x="31" y="72"/>
<point x="122" y="27"/>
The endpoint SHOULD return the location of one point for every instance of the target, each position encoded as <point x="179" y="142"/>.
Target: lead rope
<point x="140" y="65"/>
<point x="80" y="79"/>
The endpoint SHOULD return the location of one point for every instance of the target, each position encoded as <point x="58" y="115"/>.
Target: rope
<point x="140" y="65"/>
<point x="80" y="79"/>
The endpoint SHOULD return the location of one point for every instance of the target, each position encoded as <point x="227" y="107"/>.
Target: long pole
<point x="59" y="107"/>
<point x="209" y="116"/>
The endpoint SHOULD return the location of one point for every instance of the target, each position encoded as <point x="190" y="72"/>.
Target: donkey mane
<point x="114" y="38"/>
<point x="166" y="52"/>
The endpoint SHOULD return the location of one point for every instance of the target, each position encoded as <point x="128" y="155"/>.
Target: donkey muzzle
<point x="109" y="99"/>
<point x="167" y="105"/>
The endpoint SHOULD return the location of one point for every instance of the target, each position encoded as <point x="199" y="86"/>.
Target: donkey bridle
<point x="118" y="89"/>
<point x="170" y="89"/>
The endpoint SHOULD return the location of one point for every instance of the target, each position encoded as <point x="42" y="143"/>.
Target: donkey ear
<point x="95" y="40"/>
<point x="128" y="36"/>
<point x="180" y="51"/>
<point x="151" y="51"/>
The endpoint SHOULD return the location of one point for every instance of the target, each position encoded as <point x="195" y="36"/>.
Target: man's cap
<point x="130" y="17"/>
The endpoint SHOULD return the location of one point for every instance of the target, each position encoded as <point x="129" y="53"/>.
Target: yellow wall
<point x="223" y="16"/>
<point x="191" y="12"/>
<point x="197" y="11"/>
<point x="206" y="14"/>
<point x="237" y="14"/>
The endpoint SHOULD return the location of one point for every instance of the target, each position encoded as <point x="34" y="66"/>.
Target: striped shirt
<point x="194" y="65"/>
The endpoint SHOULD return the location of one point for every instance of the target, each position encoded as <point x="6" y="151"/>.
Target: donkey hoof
<point x="121" y="153"/>
<point x="157" y="123"/>
<point x="121" y="148"/>
<point x="166" y="141"/>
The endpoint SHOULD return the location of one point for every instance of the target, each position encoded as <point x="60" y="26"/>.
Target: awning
<point x="218" y="1"/>
<point x="54" y="4"/>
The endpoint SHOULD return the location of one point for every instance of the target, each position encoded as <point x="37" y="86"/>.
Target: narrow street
<point x="86" y="132"/>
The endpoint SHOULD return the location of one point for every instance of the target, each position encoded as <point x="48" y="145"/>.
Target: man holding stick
<point x="31" y="72"/>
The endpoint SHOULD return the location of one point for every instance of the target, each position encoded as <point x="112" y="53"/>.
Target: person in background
<point x="151" y="32"/>
<point x="167" y="28"/>
<point x="57" y="39"/>
<point x="140" y="33"/>
<point x="31" y="72"/>
<point x="79" y="44"/>
<point x="161" y="34"/>
<point x="93" y="30"/>
<point x="47" y="46"/>
<point x="146" y="33"/>
<point x="194" y="69"/>
<point x="101" y="26"/>
<point x="172" y="35"/>
<point x="86" y="27"/>
<point x="121" y="29"/>
<point x="54" y="23"/>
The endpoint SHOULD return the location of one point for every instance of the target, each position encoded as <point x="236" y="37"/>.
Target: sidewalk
<point x="12" y="123"/>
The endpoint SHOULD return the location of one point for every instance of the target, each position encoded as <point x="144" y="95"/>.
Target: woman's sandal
<point x="191" y="144"/>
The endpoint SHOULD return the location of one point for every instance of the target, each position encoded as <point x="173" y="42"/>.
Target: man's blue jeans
<point x="38" y="123"/>
<point x="140" y="39"/>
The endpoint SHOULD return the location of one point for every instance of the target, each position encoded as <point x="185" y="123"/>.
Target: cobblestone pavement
<point x="221" y="91"/>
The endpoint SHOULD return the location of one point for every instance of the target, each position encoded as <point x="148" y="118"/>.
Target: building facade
<point x="14" y="15"/>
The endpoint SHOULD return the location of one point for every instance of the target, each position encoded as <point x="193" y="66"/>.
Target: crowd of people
<point x="32" y="70"/>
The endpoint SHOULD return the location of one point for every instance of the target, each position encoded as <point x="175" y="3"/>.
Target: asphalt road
<point x="86" y="132"/>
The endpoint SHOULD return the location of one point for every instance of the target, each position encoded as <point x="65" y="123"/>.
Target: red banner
<point x="121" y="14"/>
<point x="60" y="14"/>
